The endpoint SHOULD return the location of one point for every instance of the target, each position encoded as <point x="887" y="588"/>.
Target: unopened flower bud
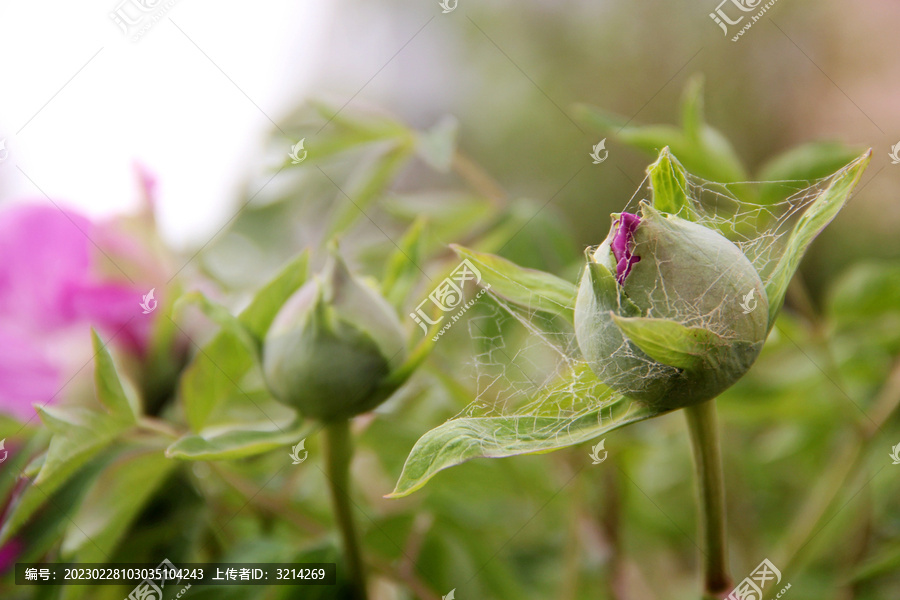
<point x="332" y="345"/>
<point x="659" y="315"/>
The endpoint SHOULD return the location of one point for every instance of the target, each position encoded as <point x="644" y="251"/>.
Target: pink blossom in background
<point x="53" y="280"/>
<point x="9" y="553"/>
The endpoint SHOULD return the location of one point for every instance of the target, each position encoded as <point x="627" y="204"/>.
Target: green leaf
<point x="239" y="441"/>
<point x="814" y="219"/>
<point x="403" y="267"/>
<point x="220" y="365"/>
<point x="437" y="146"/>
<point x="526" y="287"/>
<point x="668" y="180"/>
<point x="367" y="186"/>
<point x="107" y="385"/>
<point x="79" y="435"/>
<point x="462" y="439"/>
<point x="670" y="342"/>
<point x="114" y="500"/>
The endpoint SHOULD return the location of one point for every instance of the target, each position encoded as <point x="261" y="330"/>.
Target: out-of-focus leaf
<point x="437" y="145"/>
<point x="238" y="441"/>
<point x="529" y="232"/>
<point x="806" y="162"/>
<point x="525" y="287"/>
<point x="450" y="215"/>
<point x="710" y="155"/>
<point x="223" y="362"/>
<point x="366" y="186"/>
<point x="865" y="292"/>
<point x="692" y="108"/>
<point x="112" y="503"/>
<point x="222" y="316"/>
<point x="108" y="387"/>
<point x="814" y="219"/>
<point x="343" y="132"/>
<point x="78" y="435"/>
<point x="405" y="265"/>
<point x="886" y="562"/>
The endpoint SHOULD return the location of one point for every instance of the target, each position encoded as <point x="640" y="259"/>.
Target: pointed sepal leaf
<point x="807" y="162"/>
<point x="529" y="288"/>
<point x="814" y="219"/>
<point x="668" y="180"/>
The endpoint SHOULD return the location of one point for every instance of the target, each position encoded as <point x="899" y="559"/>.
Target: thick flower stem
<point x="701" y="420"/>
<point x="338" y="452"/>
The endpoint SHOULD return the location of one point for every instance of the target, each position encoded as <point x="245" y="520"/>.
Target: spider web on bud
<point x="528" y="363"/>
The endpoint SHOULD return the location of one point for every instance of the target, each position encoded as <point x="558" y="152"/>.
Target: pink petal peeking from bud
<point x="623" y="245"/>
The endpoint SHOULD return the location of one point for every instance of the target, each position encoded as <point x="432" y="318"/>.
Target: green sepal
<point x="670" y="342"/>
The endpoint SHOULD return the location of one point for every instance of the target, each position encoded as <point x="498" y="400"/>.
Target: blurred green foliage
<point x="208" y="477"/>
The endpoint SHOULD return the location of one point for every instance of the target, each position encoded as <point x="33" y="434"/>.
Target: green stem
<point x="701" y="420"/>
<point x="338" y="452"/>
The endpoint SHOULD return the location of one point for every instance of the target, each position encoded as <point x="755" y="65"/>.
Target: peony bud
<point x="659" y="316"/>
<point x="332" y="345"/>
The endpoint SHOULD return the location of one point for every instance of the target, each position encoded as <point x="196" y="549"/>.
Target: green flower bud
<point x="332" y="345"/>
<point x="669" y="312"/>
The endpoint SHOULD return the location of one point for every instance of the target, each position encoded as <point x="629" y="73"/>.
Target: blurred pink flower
<point x="54" y="278"/>
<point x="9" y="553"/>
